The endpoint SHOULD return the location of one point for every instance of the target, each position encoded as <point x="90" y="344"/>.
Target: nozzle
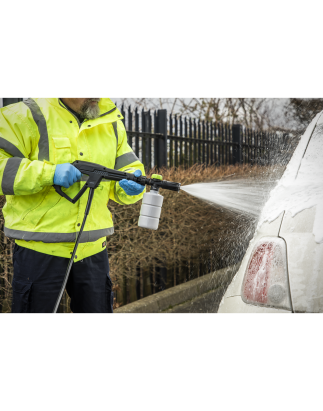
<point x="168" y="185"/>
<point x="156" y="182"/>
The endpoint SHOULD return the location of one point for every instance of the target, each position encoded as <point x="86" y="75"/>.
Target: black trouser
<point x="38" y="278"/>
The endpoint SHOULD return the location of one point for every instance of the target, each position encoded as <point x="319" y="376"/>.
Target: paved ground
<point x="205" y="304"/>
<point x="201" y="295"/>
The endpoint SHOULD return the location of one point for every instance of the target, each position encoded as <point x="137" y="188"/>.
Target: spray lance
<point x="150" y="209"/>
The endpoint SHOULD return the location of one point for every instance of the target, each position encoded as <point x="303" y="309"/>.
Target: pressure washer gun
<point x="97" y="173"/>
<point x="150" y="209"/>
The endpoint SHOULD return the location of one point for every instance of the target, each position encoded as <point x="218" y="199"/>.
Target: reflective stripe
<point x="9" y="175"/>
<point x="10" y="148"/>
<point x="115" y="127"/>
<point x="125" y="159"/>
<point x="87" y="236"/>
<point x="39" y="119"/>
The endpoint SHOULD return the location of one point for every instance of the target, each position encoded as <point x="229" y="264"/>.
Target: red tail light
<point x="266" y="278"/>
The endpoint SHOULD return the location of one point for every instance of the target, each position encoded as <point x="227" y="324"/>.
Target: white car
<point x="282" y="270"/>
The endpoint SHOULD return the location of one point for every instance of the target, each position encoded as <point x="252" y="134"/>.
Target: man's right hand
<point x="66" y="175"/>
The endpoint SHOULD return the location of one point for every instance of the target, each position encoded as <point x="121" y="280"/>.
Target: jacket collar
<point x="108" y="110"/>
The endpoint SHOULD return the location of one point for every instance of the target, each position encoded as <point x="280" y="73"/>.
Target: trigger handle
<point x="59" y="191"/>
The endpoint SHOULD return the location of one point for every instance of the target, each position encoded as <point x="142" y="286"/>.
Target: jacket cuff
<point x="48" y="173"/>
<point x="123" y="198"/>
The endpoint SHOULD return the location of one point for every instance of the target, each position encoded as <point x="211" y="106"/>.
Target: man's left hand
<point x="132" y="188"/>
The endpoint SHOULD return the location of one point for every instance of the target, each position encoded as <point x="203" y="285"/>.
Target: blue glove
<point x="132" y="188"/>
<point x="66" y="175"/>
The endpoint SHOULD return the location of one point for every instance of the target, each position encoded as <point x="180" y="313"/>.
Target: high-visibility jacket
<point x="37" y="134"/>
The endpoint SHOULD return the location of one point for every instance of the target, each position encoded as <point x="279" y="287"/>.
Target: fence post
<point x="237" y="140"/>
<point x="123" y="113"/>
<point x="161" y="146"/>
<point x="146" y="127"/>
<point x="136" y="129"/>
<point x="130" y="126"/>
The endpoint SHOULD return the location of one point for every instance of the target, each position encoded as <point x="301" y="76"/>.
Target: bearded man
<point x="39" y="139"/>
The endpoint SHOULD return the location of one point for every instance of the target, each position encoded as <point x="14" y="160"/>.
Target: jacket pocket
<point x="48" y="200"/>
<point x="62" y="150"/>
<point x="20" y="296"/>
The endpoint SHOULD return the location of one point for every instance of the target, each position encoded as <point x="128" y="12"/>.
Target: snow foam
<point x="301" y="186"/>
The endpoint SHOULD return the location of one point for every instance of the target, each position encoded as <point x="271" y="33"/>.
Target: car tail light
<point x="266" y="278"/>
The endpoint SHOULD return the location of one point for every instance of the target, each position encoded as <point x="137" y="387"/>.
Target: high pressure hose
<point x="70" y="263"/>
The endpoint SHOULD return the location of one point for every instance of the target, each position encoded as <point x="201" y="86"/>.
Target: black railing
<point x="176" y="141"/>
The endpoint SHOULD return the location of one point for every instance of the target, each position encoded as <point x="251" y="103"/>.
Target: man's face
<point x="86" y="107"/>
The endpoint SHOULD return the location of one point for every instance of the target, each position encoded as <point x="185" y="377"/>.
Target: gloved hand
<point x="66" y="175"/>
<point x="132" y="188"/>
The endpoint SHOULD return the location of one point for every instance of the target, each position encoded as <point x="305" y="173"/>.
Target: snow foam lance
<point x="152" y="203"/>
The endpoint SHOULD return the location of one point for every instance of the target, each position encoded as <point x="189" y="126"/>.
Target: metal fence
<point x="160" y="140"/>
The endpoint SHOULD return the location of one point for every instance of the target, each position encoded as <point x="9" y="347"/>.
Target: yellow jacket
<point x="37" y="134"/>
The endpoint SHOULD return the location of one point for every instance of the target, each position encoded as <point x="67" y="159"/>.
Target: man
<point x="39" y="139"/>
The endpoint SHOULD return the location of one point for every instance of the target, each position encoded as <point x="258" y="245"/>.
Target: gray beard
<point x="88" y="111"/>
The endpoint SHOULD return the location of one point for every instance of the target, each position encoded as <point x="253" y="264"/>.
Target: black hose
<point x="70" y="263"/>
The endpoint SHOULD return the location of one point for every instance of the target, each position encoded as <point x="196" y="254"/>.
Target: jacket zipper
<point x="78" y="122"/>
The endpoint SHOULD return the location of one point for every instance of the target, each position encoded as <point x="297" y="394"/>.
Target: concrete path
<point x="202" y="295"/>
<point x="205" y="304"/>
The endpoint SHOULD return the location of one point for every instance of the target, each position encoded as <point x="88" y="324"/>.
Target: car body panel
<point x="305" y="261"/>
<point x="292" y="169"/>
<point x="236" y="305"/>
<point x="304" y="255"/>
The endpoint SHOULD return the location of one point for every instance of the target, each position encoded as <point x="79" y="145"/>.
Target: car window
<point x="311" y="169"/>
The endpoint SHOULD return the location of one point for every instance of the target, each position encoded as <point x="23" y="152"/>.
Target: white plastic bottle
<point x="150" y="210"/>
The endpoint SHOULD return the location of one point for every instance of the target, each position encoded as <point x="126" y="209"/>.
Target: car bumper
<point x="236" y="305"/>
